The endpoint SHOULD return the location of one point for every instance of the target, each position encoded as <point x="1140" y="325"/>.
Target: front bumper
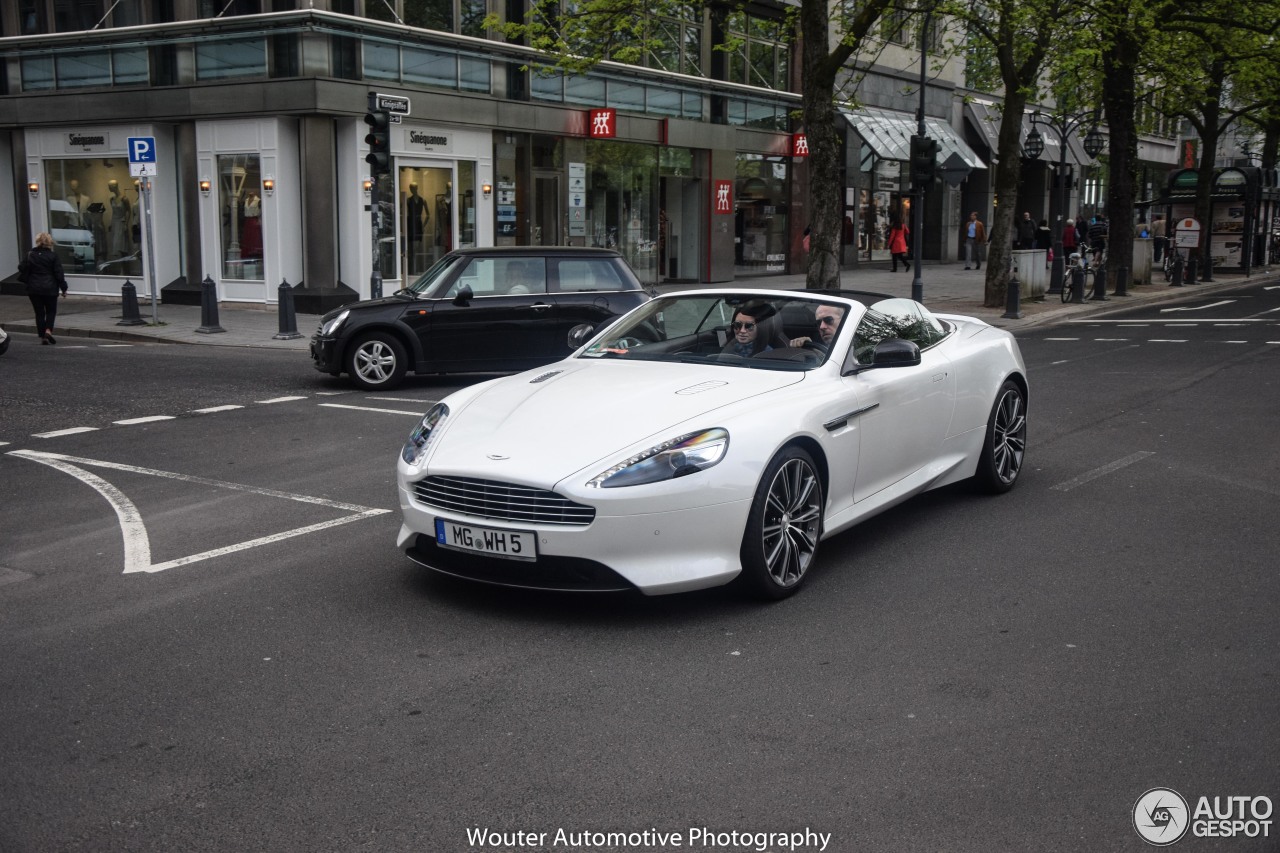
<point x="324" y="355"/>
<point x="654" y="552"/>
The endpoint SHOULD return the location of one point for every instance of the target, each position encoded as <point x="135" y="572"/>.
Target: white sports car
<point x="709" y="436"/>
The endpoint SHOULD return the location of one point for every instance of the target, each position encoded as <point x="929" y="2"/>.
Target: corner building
<point x="256" y="108"/>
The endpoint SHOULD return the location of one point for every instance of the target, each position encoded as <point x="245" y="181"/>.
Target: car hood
<point x="364" y="304"/>
<point x="543" y="425"/>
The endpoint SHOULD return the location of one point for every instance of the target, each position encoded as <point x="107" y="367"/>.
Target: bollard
<point x="1100" y="285"/>
<point x="1077" y="286"/>
<point x="1190" y="275"/>
<point x="1012" y="306"/>
<point x="1176" y="279"/>
<point x="288" y="319"/>
<point x="1207" y="275"/>
<point x="129" y="306"/>
<point x="209" y="308"/>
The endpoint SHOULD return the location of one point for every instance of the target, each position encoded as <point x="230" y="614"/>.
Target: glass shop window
<point x="240" y="208"/>
<point x="94" y="216"/>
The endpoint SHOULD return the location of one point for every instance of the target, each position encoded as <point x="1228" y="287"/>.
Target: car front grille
<point x="502" y="501"/>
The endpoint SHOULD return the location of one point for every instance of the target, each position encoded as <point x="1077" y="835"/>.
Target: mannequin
<point x="444" y="219"/>
<point x="78" y="201"/>
<point x="416" y="217"/>
<point x="119" y="241"/>
<point x="251" y="229"/>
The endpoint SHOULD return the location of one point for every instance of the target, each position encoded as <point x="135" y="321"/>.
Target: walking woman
<point x="898" y="236"/>
<point x="42" y="272"/>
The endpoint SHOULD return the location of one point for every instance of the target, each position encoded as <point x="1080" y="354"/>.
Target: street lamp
<point x="1062" y="124"/>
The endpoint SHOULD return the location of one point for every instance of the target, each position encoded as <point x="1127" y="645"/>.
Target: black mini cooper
<point x="477" y="310"/>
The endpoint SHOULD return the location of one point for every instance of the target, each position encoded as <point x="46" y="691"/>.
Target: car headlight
<point x="333" y="325"/>
<point x="687" y="454"/>
<point x="415" y="449"/>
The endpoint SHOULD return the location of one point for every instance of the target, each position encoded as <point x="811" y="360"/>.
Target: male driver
<point x="827" y="317"/>
<point x="974" y="236"/>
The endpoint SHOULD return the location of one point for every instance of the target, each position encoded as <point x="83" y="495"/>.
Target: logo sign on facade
<point x="722" y="203"/>
<point x="142" y="155"/>
<point x="427" y="140"/>
<point x="86" y="142"/>
<point x="1190" y="153"/>
<point x="799" y="145"/>
<point x="604" y="124"/>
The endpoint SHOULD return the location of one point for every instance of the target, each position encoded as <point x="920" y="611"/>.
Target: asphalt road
<point x="260" y="669"/>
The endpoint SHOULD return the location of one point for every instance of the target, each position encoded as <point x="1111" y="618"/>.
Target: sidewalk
<point x="948" y="288"/>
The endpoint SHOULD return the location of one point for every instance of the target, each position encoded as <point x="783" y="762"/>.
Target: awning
<point x="889" y="133"/>
<point x="985" y="117"/>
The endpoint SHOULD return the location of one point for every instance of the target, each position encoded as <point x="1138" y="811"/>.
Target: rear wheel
<point x="1006" y="441"/>
<point x="376" y="362"/>
<point x="785" y="524"/>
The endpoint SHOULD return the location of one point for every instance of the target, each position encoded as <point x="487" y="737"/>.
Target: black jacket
<point x="42" y="271"/>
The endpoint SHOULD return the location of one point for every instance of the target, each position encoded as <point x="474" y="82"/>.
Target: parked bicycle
<point x="1077" y="262"/>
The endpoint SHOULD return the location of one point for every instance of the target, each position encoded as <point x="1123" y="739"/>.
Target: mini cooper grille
<point x="501" y="501"/>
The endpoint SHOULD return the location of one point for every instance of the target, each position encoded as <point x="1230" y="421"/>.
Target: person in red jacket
<point x="898" y="236"/>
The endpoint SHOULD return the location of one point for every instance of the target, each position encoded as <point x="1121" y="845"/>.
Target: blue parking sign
<point x="142" y="155"/>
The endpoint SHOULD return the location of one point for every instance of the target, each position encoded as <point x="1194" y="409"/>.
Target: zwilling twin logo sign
<point x="604" y="124"/>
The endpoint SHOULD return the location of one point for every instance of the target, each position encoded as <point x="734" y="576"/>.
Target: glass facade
<point x="761" y="239"/>
<point x="240" y="206"/>
<point x="94" y="216"/>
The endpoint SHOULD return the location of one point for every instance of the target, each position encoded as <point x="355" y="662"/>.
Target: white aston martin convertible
<point x="709" y="436"/>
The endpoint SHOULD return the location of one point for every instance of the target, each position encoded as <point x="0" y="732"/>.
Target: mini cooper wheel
<point x="376" y="362"/>
<point x="785" y="524"/>
<point x="1006" y="441"/>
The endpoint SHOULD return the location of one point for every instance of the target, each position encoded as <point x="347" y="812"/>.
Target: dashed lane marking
<point x="61" y="432"/>
<point x="146" y="420"/>
<point x="213" y="409"/>
<point x="1105" y="469"/>
<point x="137" y="544"/>
<point x="403" y="400"/>
<point x="370" y="409"/>
<point x="280" y="400"/>
<point x="1166" y="340"/>
<point x="113" y="346"/>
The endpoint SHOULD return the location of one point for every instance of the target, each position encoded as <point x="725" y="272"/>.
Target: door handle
<point x="538" y="306"/>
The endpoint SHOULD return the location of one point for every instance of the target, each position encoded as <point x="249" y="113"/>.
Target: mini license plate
<point x="509" y="544"/>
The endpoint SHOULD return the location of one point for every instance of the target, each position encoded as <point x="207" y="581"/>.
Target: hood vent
<point x="702" y="386"/>
<point x="544" y="377"/>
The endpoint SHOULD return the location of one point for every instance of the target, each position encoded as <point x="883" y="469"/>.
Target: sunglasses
<point x="747" y="326"/>
<point x="827" y="321"/>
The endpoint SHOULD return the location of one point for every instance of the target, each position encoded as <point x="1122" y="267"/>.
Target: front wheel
<point x="1006" y="441"/>
<point x="377" y="362"/>
<point x="784" y="527"/>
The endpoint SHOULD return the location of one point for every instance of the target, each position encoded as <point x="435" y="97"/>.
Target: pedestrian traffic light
<point x="379" y="141"/>
<point x="924" y="153"/>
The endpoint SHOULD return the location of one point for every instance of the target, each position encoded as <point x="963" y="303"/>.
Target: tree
<point x="577" y="36"/>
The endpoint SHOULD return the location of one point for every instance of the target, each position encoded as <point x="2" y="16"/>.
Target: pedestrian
<point x="1044" y="237"/>
<point x="1026" y="232"/>
<point x="1159" y="236"/>
<point x="1098" y="238"/>
<point x="975" y="236"/>
<point x="898" y="236"/>
<point x="42" y="273"/>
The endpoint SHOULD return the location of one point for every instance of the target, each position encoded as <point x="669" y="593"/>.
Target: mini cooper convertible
<point x="708" y="437"/>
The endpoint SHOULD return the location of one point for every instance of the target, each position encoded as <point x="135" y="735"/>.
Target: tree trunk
<point x="1008" y="176"/>
<point x="826" y="175"/>
<point x="1119" y="73"/>
<point x="1211" y="113"/>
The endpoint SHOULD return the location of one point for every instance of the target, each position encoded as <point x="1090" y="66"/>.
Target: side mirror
<point x="895" y="352"/>
<point x="465" y="295"/>
<point x="580" y="334"/>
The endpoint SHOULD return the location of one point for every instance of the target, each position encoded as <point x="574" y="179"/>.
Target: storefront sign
<point x="426" y="140"/>
<point x="799" y="145"/>
<point x="722" y="203"/>
<point x="604" y="124"/>
<point x="91" y="142"/>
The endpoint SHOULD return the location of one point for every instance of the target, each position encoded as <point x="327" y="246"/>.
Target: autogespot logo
<point x="1161" y="817"/>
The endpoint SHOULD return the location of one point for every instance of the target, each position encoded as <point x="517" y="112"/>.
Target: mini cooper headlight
<point x="415" y="449"/>
<point x="333" y="325"/>
<point x="675" y="458"/>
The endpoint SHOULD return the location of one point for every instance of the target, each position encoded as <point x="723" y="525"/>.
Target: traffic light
<point x="379" y="141"/>
<point x="924" y="153"/>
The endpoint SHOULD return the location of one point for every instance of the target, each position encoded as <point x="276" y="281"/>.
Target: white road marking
<point x="280" y="400"/>
<point x="1234" y="342"/>
<point x="370" y="409"/>
<point x="1166" y="340"/>
<point x="331" y="393"/>
<point x="1110" y="340"/>
<point x="403" y="400"/>
<point x="1105" y="469"/>
<point x="1198" y="307"/>
<point x="1062" y="339"/>
<point x="137" y="545"/>
<point x="61" y="432"/>
<point x="145" y="420"/>
<point x="213" y="409"/>
<point x="112" y="346"/>
<point x="3" y="443"/>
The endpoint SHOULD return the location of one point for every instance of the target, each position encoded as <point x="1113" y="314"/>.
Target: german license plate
<point x="509" y="544"/>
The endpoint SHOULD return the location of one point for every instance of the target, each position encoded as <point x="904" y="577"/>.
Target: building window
<point x="893" y="26"/>
<point x="758" y="56"/>
<point x="242" y="57"/>
<point x="92" y="205"/>
<point x="240" y="208"/>
<point x="761" y="238"/>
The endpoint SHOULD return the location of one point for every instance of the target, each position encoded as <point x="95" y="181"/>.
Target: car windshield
<point x="734" y="329"/>
<point x="437" y="271"/>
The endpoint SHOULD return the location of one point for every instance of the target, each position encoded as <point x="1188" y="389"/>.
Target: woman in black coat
<point x="42" y="272"/>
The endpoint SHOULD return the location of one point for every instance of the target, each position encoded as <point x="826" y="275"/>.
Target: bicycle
<point x="1077" y="262"/>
